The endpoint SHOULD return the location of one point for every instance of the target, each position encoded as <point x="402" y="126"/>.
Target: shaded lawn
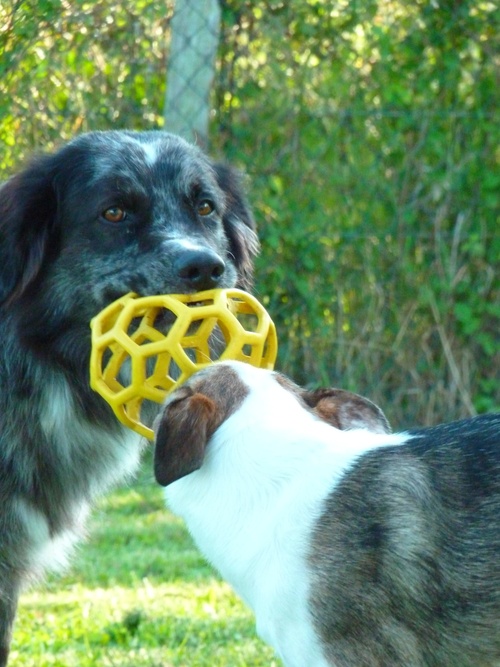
<point x="138" y="594"/>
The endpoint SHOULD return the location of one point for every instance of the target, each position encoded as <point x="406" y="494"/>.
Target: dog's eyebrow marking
<point x="150" y="152"/>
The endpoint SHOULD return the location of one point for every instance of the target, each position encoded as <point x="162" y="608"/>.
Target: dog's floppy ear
<point x="346" y="410"/>
<point x="28" y="207"/>
<point x="238" y="223"/>
<point x="182" y="432"/>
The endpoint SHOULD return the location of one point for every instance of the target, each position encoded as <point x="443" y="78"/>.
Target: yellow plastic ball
<point x="133" y="360"/>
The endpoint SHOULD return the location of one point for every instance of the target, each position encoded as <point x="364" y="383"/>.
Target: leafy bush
<point x="370" y="135"/>
<point x="371" y="138"/>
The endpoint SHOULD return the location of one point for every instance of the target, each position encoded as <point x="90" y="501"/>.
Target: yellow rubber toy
<point x="132" y="361"/>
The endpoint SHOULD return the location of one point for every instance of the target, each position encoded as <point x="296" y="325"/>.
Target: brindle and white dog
<point x="354" y="547"/>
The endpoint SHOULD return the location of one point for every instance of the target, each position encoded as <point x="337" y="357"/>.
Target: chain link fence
<point x="195" y="35"/>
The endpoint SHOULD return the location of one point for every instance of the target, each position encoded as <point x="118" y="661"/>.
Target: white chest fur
<point x="89" y="461"/>
<point x="116" y="456"/>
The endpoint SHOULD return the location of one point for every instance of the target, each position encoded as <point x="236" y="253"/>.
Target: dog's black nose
<point x="200" y="269"/>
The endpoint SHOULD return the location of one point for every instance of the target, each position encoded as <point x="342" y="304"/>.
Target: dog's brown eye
<point x="114" y="214"/>
<point x="205" y="207"/>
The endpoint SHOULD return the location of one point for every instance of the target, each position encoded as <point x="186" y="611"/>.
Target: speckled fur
<point x="405" y="558"/>
<point x="61" y="262"/>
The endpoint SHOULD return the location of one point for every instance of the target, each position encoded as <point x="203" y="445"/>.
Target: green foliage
<point x="370" y="134"/>
<point x="70" y="67"/>
<point x="373" y="134"/>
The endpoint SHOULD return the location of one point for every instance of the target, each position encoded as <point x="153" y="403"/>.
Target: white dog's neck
<point x="253" y="504"/>
<point x="258" y="465"/>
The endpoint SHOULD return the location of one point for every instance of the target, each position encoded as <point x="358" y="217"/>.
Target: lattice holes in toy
<point x="144" y="347"/>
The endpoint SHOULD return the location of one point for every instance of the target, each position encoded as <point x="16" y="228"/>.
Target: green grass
<point x="138" y="594"/>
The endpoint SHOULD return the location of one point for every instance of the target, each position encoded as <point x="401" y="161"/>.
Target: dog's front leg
<point x="9" y="593"/>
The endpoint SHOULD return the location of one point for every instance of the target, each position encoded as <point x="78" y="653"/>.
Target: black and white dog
<point x="109" y="213"/>
<point x="354" y="547"/>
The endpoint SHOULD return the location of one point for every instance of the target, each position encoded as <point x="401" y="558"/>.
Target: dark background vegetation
<point x="369" y="131"/>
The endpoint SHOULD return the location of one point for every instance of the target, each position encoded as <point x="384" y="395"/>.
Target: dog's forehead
<point x="159" y="156"/>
